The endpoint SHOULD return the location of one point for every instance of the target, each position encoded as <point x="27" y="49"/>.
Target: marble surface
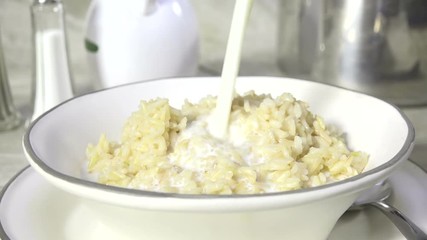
<point x="259" y="57"/>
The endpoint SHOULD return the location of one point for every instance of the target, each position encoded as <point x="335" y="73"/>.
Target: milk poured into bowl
<point x="219" y="123"/>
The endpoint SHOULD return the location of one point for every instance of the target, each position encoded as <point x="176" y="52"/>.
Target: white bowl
<point x="55" y="146"/>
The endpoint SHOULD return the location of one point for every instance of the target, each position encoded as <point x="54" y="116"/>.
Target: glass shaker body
<point x="51" y="72"/>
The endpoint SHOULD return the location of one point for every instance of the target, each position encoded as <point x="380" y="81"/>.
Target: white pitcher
<point x="135" y="40"/>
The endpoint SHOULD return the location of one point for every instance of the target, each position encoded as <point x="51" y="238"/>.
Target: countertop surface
<point x="259" y="58"/>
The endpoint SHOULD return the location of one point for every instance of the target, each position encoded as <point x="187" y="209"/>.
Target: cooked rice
<point x="274" y="144"/>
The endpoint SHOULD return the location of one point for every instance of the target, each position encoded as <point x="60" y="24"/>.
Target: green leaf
<point x="91" y="46"/>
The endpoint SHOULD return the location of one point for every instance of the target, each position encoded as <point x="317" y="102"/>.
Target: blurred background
<point x="284" y="38"/>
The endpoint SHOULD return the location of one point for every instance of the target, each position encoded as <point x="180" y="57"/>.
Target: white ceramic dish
<point x="31" y="208"/>
<point x="55" y="145"/>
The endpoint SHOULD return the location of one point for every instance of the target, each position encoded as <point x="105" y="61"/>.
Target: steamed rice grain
<point x="273" y="144"/>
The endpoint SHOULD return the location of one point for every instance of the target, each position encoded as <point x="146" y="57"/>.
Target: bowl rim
<point x="35" y="161"/>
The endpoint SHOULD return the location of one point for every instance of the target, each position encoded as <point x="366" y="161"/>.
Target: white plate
<point x="30" y="208"/>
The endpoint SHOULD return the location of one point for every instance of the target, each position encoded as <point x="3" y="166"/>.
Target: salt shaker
<point x="9" y="117"/>
<point x="52" y="80"/>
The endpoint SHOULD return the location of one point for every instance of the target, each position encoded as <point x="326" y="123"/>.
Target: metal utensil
<point x="372" y="46"/>
<point x="376" y="197"/>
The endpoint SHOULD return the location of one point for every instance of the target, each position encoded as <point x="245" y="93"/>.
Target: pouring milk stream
<point x="218" y="124"/>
